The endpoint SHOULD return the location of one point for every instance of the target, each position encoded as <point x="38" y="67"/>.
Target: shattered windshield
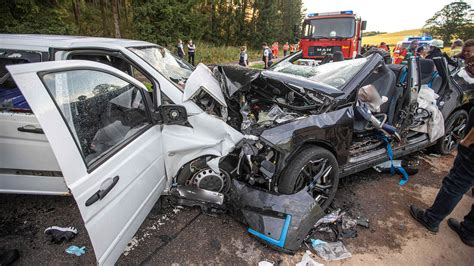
<point x="172" y="67"/>
<point x="336" y="74"/>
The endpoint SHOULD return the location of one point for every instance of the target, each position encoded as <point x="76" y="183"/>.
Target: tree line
<point x="455" y="20"/>
<point x="220" y="22"/>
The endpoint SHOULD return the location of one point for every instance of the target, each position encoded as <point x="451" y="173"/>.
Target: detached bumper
<point x="283" y="221"/>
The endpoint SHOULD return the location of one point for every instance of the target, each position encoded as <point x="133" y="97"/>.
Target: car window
<point x="170" y="66"/>
<point x="336" y="74"/>
<point x="101" y="110"/>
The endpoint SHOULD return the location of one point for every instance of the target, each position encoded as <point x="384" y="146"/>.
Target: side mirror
<point x="364" y="25"/>
<point x="173" y="114"/>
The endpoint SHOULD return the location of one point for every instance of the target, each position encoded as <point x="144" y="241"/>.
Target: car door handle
<point x="105" y="188"/>
<point x="31" y="129"/>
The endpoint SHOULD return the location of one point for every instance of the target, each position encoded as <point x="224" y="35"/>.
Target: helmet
<point x="437" y="43"/>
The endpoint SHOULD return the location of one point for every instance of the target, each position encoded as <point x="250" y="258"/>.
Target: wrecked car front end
<point x="278" y="115"/>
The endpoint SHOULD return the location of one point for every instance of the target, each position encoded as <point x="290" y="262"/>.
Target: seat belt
<point x="433" y="76"/>
<point x="404" y="75"/>
<point x="393" y="168"/>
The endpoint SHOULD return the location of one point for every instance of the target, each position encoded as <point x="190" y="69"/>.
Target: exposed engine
<point x="256" y="101"/>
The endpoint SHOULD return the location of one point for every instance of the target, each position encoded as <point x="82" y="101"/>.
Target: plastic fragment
<point x="60" y="234"/>
<point x="75" y="250"/>
<point x="330" y="251"/>
<point x="306" y="260"/>
<point x="265" y="263"/>
<point x="363" y="222"/>
<point x="329" y="218"/>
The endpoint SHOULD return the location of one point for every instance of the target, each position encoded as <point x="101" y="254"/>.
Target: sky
<point x="384" y="15"/>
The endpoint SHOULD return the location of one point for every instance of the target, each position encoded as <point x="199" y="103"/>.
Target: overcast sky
<point x="384" y="15"/>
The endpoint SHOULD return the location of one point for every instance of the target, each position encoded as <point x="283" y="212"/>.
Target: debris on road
<point x="306" y="260"/>
<point x="59" y="234"/>
<point x="330" y="251"/>
<point x="338" y="225"/>
<point x="75" y="250"/>
<point x="265" y="263"/>
<point x="329" y="218"/>
<point x="362" y="221"/>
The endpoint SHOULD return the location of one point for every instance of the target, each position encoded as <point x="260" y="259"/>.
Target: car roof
<point x="44" y="42"/>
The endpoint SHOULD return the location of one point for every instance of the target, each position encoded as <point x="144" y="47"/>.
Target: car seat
<point x="427" y="68"/>
<point x="385" y="82"/>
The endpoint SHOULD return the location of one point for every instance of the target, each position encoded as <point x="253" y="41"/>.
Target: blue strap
<point x="433" y="76"/>
<point x="404" y="75"/>
<point x="400" y="169"/>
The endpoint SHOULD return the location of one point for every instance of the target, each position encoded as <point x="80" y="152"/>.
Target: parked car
<point x="138" y="123"/>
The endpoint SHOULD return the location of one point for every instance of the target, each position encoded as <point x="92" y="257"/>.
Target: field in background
<point x="390" y="38"/>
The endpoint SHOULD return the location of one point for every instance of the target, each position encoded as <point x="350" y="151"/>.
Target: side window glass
<point x="142" y="78"/>
<point x="102" y="111"/>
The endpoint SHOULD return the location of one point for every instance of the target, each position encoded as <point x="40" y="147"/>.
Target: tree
<point x="450" y="21"/>
<point x="115" y="13"/>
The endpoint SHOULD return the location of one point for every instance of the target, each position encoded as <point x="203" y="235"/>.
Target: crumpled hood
<point x="234" y="78"/>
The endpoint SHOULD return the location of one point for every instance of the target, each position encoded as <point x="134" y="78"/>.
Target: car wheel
<point x="454" y="132"/>
<point x="198" y="174"/>
<point x="315" y="168"/>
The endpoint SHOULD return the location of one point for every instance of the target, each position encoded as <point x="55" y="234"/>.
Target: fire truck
<point x="326" y="33"/>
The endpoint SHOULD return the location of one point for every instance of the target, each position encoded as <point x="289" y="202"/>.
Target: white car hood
<point x="202" y="78"/>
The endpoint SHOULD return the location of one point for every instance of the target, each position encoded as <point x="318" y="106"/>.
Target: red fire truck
<point x="326" y="33"/>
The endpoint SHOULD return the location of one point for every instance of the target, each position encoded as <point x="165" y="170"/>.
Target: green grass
<point x="258" y="65"/>
<point x="210" y="54"/>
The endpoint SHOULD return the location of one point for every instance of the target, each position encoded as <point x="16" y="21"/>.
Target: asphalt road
<point x="177" y="235"/>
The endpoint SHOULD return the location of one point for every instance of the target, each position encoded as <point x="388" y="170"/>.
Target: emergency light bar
<point x="420" y="38"/>
<point x="347" y="12"/>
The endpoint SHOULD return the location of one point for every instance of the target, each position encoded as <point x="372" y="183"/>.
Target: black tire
<point x="454" y="132"/>
<point x="295" y="177"/>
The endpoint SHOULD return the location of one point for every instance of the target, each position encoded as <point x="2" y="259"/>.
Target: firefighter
<point x="405" y="53"/>
<point x="292" y="48"/>
<point x="383" y="45"/>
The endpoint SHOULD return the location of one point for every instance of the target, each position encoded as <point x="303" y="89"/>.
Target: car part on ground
<point x="277" y="219"/>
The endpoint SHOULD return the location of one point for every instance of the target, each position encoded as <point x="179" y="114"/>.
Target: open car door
<point x="98" y="123"/>
<point x="406" y="110"/>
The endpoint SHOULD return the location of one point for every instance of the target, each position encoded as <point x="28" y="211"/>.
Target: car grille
<point x="322" y="50"/>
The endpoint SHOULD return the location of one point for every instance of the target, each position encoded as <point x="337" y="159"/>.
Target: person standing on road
<point x="191" y="51"/>
<point x="180" y="48"/>
<point x="292" y="49"/>
<point x="267" y="55"/>
<point x="243" y="58"/>
<point x="459" y="180"/>
<point x="435" y="49"/>
<point x="286" y="47"/>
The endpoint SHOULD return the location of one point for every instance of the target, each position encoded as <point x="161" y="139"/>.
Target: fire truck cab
<point x="326" y="33"/>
